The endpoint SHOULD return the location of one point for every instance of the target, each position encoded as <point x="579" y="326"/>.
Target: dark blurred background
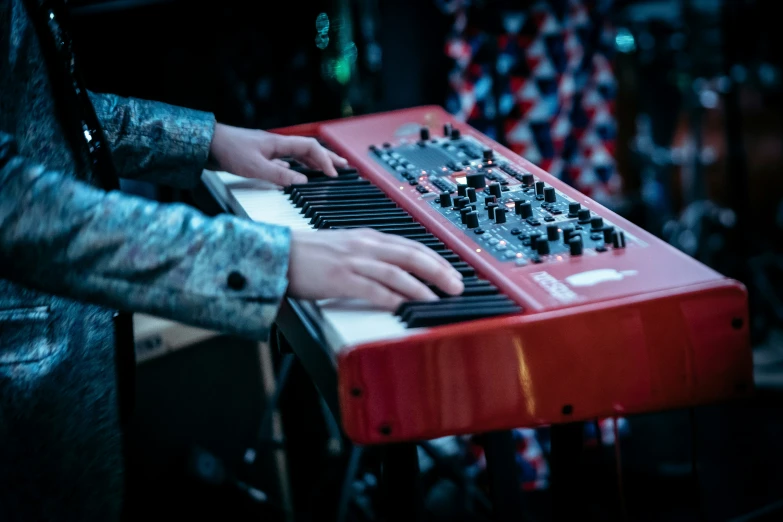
<point x="698" y="147"/>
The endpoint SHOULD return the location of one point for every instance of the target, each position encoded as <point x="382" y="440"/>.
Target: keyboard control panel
<point x="507" y="209"/>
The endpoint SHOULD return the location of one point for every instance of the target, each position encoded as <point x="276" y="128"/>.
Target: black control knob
<point x="490" y="199"/>
<point x="491" y="210"/>
<point x="424" y="133"/>
<point x="573" y="209"/>
<point x="542" y="247"/>
<point x="540" y="188"/>
<point x="584" y="216"/>
<point x="447" y="129"/>
<point x="575" y="246"/>
<point x="471" y="193"/>
<point x="461" y="202"/>
<point x="476" y="180"/>
<point x="472" y="220"/>
<point x="608" y="231"/>
<point x="487" y="154"/>
<point x="549" y="195"/>
<point x="568" y="231"/>
<point x="462" y="190"/>
<point x="463" y="213"/>
<point x="495" y="189"/>
<point x="534" y="237"/>
<point x="500" y="215"/>
<point x="445" y="199"/>
<point x="527" y="179"/>
<point x="524" y="209"/>
<point x="552" y="232"/>
<point x="455" y="135"/>
<point x="597" y="222"/>
<point x="618" y="239"/>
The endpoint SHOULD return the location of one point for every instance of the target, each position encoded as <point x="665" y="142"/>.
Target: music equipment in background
<point x="708" y="135"/>
<point x="155" y="337"/>
<point x="672" y="53"/>
<point x="569" y="313"/>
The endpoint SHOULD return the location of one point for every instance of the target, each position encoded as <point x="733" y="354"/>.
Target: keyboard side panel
<point x="669" y="350"/>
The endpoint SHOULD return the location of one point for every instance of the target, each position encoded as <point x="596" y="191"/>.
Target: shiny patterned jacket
<point x="71" y="254"/>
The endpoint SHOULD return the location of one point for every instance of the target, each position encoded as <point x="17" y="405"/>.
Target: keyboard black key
<point x="348" y="196"/>
<point x="359" y="193"/>
<point x="326" y="181"/>
<point x="320" y="217"/>
<point x="365" y="221"/>
<point x="314" y="210"/>
<point x="408" y="309"/>
<point x="330" y="183"/>
<point x="397" y="230"/>
<point x="315" y="173"/>
<point x="439" y="317"/>
<point x="309" y="209"/>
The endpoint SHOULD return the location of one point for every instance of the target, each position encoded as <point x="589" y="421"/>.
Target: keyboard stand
<point x="504" y="484"/>
<point x="565" y="467"/>
<point x="401" y="488"/>
<point x="307" y="342"/>
<point x="401" y="495"/>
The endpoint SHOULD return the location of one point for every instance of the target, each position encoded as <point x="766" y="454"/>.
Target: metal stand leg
<point x="567" y="489"/>
<point x="505" y="487"/>
<point x="400" y="482"/>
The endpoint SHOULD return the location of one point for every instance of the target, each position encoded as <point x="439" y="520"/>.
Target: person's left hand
<point x="255" y="154"/>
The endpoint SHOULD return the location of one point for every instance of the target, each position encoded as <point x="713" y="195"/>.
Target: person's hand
<point x="366" y="264"/>
<point x="255" y="154"/>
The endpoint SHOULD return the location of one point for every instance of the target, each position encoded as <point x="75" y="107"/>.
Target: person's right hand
<point x="366" y="264"/>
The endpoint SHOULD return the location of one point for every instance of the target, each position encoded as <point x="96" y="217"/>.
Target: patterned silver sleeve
<point x="63" y="236"/>
<point x="153" y="141"/>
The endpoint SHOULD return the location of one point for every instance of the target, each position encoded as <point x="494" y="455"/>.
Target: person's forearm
<point x="66" y="237"/>
<point x="153" y="141"/>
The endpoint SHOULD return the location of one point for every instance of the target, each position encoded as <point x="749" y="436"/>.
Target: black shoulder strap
<point x="77" y="114"/>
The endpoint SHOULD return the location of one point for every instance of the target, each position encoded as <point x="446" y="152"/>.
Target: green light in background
<point x="350" y="52"/>
<point x="342" y="70"/>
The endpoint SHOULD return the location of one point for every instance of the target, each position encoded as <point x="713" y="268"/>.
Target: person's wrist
<point x="215" y="148"/>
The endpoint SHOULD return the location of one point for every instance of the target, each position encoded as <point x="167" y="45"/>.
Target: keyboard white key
<point x="265" y="202"/>
<point x="345" y="322"/>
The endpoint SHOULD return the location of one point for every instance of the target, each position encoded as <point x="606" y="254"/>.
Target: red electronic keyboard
<point x="570" y="312"/>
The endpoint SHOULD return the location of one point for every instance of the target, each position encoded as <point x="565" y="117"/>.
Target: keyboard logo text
<point x="555" y="288"/>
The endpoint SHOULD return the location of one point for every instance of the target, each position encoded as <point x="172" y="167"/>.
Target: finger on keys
<point x="394" y="278"/>
<point x="337" y="160"/>
<point x="284" y="176"/>
<point x="282" y="163"/>
<point x="425" y="266"/>
<point x="322" y="160"/>
<point x="308" y="151"/>
<point x="371" y="290"/>
<point x="409" y="243"/>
